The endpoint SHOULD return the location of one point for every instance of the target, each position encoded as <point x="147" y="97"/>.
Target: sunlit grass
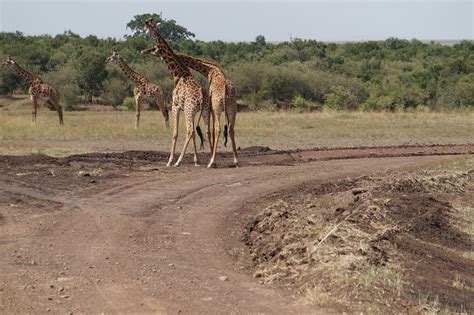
<point x="114" y="130"/>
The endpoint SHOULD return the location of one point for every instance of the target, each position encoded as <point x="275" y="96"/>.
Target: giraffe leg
<point x="54" y="104"/>
<point x="175" y="113"/>
<point x="189" y="134"/>
<point x="195" y="149"/>
<point x="217" y="129"/>
<point x="231" y="119"/>
<point x="60" y="115"/>
<point x="206" y="118"/>
<point x="137" y="110"/>
<point x="164" y="111"/>
<point x="34" y="99"/>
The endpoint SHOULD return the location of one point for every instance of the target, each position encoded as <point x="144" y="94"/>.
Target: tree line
<point x="389" y="75"/>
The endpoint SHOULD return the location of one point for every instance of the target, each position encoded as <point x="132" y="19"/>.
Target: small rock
<point x="83" y="174"/>
<point x="65" y="296"/>
<point x="170" y="265"/>
<point x="61" y="289"/>
<point x="223" y="278"/>
<point x="48" y="310"/>
<point x="357" y="191"/>
<point x="51" y="286"/>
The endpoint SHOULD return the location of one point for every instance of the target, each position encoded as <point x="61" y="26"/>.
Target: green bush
<point x="70" y="96"/>
<point x="378" y="104"/>
<point x="129" y="103"/>
<point x="300" y="104"/>
<point x="340" y="98"/>
<point x="115" y="91"/>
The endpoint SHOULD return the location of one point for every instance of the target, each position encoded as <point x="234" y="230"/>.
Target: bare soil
<point x="120" y="232"/>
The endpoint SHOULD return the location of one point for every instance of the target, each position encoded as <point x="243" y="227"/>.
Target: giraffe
<point x="221" y="97"/>
<point x="188" y="96"/>
<point x="38" y="90"/>
<point x="143" y="88"/>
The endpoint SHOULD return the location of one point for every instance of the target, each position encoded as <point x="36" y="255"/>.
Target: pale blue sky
<point x="243" y="20"/>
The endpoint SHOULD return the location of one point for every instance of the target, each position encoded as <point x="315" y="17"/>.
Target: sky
<point x="230" y="20"/>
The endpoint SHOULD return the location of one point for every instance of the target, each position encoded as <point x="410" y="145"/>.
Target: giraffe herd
<point x="188" y="96"/>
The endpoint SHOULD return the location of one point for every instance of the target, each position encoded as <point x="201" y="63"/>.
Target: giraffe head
<point x="8" y="62"/>
<point x="115" y="57"/>
<point x="155" y="51"/>
<point x="150" y="25"/>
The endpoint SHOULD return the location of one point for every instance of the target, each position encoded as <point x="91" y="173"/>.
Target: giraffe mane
<point x="198" y="59"/>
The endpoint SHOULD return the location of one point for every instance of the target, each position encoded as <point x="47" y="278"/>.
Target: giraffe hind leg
<point x="34" y="109"/>
<point x="175" y="112"/>
<point x="55" y="106"/>
<point x="231" y="120"/>
<point x="137" y="110"/>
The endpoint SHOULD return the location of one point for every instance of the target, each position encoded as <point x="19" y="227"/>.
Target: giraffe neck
<point x="131" y="74"/>
<point x="176" y="69"/>
<point x="25" y="75"/>
<point x="199" y="65"/>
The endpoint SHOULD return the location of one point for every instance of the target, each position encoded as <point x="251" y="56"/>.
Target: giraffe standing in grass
<point x="143" y="89"/>
<point x="221" y="96"/>
<point x="188" y="96"/>
<point x="38" y="90"/>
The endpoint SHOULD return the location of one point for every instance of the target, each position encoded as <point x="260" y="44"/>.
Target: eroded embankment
<point x="399" y="242"/>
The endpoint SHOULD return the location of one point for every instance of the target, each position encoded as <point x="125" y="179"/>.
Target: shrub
<point x="70" y="95"/>
<point x="340" y="98"/>
<point x="300" y="104"/>
<point x="115" y="91"/>
<point x="129" y="103"/>
<point x="377" y="104"/>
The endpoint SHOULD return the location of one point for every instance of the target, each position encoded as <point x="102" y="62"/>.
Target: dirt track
<point x="120" y="232"/>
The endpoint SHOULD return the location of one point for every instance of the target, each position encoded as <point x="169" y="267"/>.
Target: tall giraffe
<point x="38" y="90"/>
<point x="143" y="88"/>
<point x="221" y="96"/>
<point x="188" y="96"/>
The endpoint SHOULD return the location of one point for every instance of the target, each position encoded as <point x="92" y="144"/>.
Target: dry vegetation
<point x="87" y="131"/>
<point x="373" y="244"/>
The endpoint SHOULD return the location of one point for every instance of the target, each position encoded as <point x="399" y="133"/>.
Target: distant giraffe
<point x="188" y="96"/>
<point x="221" y="96"/>
<point x="143" y="89"/>
<point x="37" y="90"/>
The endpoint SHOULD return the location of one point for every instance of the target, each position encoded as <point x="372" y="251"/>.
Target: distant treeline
<point x="385" y="75"/>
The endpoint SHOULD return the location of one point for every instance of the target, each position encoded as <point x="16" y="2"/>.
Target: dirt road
<point x="120" y="232"/>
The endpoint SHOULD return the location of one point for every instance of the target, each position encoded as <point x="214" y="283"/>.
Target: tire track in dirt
<point x="158" y="242"/>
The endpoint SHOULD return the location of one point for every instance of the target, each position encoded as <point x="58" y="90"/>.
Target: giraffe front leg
<point x="217" y="130"/>
<point x="175" y="112"/>
<point x="137" y="110"/>
<point x="34" y="111"/>
<point x="189" y="134"/>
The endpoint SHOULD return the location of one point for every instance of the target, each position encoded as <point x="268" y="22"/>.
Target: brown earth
<point x="120" y="232"/>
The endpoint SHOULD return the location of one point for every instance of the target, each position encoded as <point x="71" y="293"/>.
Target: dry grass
<point x="87" y="131"/>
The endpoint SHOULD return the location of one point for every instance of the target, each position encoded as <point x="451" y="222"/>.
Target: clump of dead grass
<point x="335" y="244"/>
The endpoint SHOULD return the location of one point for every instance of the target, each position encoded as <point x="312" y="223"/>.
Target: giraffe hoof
<point x="196" y="164"/>
<point x="168" y="164"/>
<point x="176" y="164"/>
<point x="212" y="165"/>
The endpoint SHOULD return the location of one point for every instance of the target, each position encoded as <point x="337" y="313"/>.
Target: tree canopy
<point x="170" y="30"/>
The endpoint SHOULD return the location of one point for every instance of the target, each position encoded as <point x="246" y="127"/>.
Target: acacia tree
<point x="169" y="29"/>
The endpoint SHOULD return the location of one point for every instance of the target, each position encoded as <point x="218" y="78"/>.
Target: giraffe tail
<point x="226" y="119"/>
